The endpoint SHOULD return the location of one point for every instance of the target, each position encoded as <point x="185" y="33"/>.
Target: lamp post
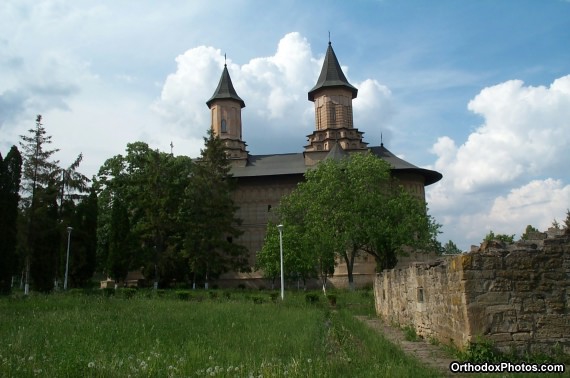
<point x="280" y="228"/>
<point x="69" y="229"/>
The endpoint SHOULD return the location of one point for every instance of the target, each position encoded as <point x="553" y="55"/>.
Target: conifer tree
<point x="40" y="205"/>
<point x="10" y="176"/>
<point x="209" y="213"/>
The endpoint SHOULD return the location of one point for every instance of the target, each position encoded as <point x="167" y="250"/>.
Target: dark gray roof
<point x="336" y="152"/>
<point x="401" y="165"/>
<point x="331" y="75"/>
<point x="289" y="164"/>
<point x="269" y="165"/>
<point x="225" y="89"/>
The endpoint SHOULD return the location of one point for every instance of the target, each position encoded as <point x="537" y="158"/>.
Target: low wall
<point x="518" y="296"/>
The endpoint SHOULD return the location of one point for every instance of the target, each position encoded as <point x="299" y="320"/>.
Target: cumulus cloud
<point x="526" y="132"/>
<point x="512" y="170"/>
<point x="274" y="89"/>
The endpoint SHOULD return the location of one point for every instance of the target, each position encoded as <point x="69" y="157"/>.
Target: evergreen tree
<point x="40" y="205"/>
<point x="10" y="175"/>
<point x="83" y="241"/>
<point x="209" y="214"/>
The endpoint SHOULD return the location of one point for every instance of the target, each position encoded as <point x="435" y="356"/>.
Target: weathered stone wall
<point x="518" y="296"/>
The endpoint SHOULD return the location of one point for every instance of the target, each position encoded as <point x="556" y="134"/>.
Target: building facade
<point x="264" y="179"/>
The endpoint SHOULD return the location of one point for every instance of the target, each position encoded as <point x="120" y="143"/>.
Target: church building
<point x="264" y="179"/>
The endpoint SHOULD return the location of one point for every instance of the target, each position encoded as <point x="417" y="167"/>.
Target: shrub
<point x="312" y="297"/>
<point x="227" y="294"/>
<point x="274" y="296"/>
<point x="332" y="299"/>
<point x="213" y="294"/>
<point x="127" y="292"/>
<point x="257" y="299"/>
<point x="183" y="295"/>
<point x="410" y="333"/>
<point x="481" y="350"/>
<point x="108" y="291"/>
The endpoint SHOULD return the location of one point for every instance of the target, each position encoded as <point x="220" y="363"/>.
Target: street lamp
<point x="280" y="228"/>
<point x="69" y="229"/>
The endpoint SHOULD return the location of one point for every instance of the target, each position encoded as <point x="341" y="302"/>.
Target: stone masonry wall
<point x="518" y="296"/>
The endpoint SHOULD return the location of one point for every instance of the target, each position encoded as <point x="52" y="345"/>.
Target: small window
<point x="420" y="294"/>
<point x="230" y="239"/>
<point x="224" y="127"/>
<point x="268" y="208"/>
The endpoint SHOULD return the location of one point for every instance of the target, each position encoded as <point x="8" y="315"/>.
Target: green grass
<point x="233" y="334"/>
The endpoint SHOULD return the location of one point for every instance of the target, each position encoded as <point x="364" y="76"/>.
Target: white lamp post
<point x="69" y="229"/>
<point x="280" y="228"/>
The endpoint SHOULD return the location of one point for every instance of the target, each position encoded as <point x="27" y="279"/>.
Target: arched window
<point x="224" y="127"/>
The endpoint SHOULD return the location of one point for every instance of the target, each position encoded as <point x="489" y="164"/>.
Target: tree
<point x="567" y="222"/>
<point x="40" y="184"/>
<point x="208" y="211"/>
<point x="139" y="223"/>
<point x="349" y="206"/>
<point x="450" y="248"/>
<point x="10" y="176"/>
<point x="83" y="241"/>
<point x="528" y="231"/>
<point x="508" y="239"/>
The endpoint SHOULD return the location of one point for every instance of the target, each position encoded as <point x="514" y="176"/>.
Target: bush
<point x="213" y="294"/>
<point x="108" y="291"/>
<point x="257" y="299"/>
<point x="312" y="297"/>
<point x="127" y="292"/>
<point x="332" y="299"/>
<point x="410" y="333"/>
<point x="227" y="294"/>
<point x="274" y="296"/>
<point x="183" y="295"/>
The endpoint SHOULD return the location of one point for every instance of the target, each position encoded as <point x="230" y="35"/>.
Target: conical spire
<point x="331" y="75"/>
<point x="225" y="89"/>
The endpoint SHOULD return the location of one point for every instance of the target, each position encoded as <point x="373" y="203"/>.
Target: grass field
<point x="223" y="334"/>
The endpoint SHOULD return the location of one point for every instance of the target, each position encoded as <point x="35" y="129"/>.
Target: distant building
<point x="264" y="179"/>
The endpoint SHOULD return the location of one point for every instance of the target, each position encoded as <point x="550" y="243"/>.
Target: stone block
<point x="526" y="323"/>
<point x="494" y="298"/>
<point x="522" y="336"/>
<point x="500" y="284"/>
<point x="533" y="304"/>
<point x="500" y="337"/>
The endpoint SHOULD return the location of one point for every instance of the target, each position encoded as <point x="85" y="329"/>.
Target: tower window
<point x="333" y="114"/>
<point x="224" y="127"/>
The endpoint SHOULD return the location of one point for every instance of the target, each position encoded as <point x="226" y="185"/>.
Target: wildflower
<point x="309" y="360"/>
<point x="91" y="364"/>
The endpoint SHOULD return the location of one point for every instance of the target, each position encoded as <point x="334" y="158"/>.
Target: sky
<point x="477" y="90"/>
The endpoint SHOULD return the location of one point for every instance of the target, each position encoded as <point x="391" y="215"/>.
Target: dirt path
<point x="427" y="353"/>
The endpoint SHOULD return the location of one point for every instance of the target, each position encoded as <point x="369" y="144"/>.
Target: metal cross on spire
<point x="171" y="147"/>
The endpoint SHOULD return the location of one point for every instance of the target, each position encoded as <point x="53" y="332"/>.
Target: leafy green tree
<point x="508" y="239"/>
<point x="555" y="224"/>
<point x="140" y="197"/>
<point x="450" y="248"/>
<point x="353" y="205"/>
<point x="528" y="231"/>
<point x="40" y="189"/>
<point x="209" y="211"/>
<point x="297" y="262"/>
<point x="10" y="176"/>
<point x="567" y="222"/>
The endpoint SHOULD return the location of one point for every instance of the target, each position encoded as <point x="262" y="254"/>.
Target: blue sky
<point x="478" y="90"/>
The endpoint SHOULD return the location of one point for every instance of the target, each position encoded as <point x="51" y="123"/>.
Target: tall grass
<point x="218" y="335"/>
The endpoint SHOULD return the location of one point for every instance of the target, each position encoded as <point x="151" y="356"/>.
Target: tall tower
<point x="333" y="96"/>
<point x="225" y="106"/>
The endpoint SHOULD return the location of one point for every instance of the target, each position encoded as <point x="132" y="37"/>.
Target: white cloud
<point x="526" y="131"/>
<point x="512" y="170"/>
<point x="274" y="89"/>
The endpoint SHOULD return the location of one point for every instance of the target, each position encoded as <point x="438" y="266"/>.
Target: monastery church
<point x="263" y="179"/>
